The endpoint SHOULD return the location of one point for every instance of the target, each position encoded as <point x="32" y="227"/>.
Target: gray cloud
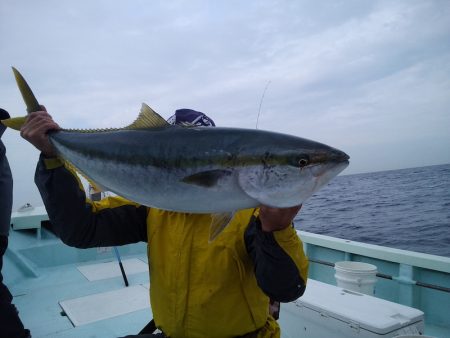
<point x="371" y="78"/>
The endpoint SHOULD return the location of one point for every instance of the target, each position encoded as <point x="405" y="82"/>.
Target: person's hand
<point x="273" y="219"/>
<point x="35" y="130"/>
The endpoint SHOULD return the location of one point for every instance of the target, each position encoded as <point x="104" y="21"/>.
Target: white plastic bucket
<point x="356" y="276"/>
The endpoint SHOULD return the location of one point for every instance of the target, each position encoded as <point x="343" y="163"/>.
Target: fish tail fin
<point x="29" y="99"/>
<point x="14" y="122"/>
<point x="27" y="94"/>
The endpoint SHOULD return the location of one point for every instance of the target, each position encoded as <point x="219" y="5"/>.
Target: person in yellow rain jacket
<point x="197" y="288"/>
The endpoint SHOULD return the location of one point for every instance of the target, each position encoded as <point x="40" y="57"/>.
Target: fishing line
<point x="261" y="101"/>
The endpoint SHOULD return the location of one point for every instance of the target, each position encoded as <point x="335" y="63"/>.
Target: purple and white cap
<point x="191" y="117"/>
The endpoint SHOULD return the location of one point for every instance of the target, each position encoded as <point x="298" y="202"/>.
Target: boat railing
<point x="410" y="278"/>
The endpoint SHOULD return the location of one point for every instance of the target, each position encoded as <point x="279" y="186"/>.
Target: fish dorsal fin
<point x="148" y="118"/>
<point x="88" y="131"/>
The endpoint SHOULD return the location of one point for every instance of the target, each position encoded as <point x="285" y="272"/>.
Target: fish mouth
<point x="329" y="169"/>
<point x="339" y="156"/>
<point x="327" y="166"/>
<point x="329" y="158"/>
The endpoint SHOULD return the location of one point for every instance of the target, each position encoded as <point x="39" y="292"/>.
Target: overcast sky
<point x="369" y="77"/>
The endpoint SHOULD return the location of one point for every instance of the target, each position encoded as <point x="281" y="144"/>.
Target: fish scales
<point x="150" y="166"/>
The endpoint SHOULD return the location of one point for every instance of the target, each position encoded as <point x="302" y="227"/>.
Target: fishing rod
<point x="97" y="196"/>
<point x="385" y="276"/>
<point x="116" y="251"/>
<point x="261" y="101"/>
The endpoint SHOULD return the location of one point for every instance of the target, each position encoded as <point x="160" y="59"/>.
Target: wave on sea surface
<point x="405" y="209"/>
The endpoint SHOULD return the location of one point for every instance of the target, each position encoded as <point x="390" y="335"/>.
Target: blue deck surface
<point x="42" y="272"/>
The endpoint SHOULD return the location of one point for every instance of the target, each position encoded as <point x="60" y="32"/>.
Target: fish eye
<point x="303" y="162"/>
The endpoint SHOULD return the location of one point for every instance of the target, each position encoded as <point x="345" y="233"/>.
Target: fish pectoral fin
<point x="14" y="122"/>
<point x="207" y="178"/>
<point x="218" y="223"/>
<point x="148" y="118"/>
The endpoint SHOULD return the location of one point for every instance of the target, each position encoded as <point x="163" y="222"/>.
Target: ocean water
<point x="404" y="209"/>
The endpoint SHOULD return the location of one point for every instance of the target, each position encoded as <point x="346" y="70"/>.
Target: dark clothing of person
<point x="10" y="324"/>
<point x="6" y="185"/>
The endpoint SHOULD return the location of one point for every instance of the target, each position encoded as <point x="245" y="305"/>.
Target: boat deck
<point x="66" y="292"/>
<point x="41" y="274"/>
<point x="418" y="280"/>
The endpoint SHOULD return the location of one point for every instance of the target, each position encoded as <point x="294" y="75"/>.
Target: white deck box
<point x="29" y="219"/>
<point x="327" y="311"/>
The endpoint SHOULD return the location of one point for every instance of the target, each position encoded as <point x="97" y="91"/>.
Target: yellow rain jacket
<point x="197" y="288"/>
<point x="210" y="288"/>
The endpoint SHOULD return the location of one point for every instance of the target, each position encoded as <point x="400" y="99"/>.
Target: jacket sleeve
<point x="281" y="267"/>
<point x="6" y="186"/>
<point x="78" y="221"/>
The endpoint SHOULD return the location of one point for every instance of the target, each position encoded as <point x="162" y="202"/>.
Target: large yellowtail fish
<point x="195" y="169"/>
